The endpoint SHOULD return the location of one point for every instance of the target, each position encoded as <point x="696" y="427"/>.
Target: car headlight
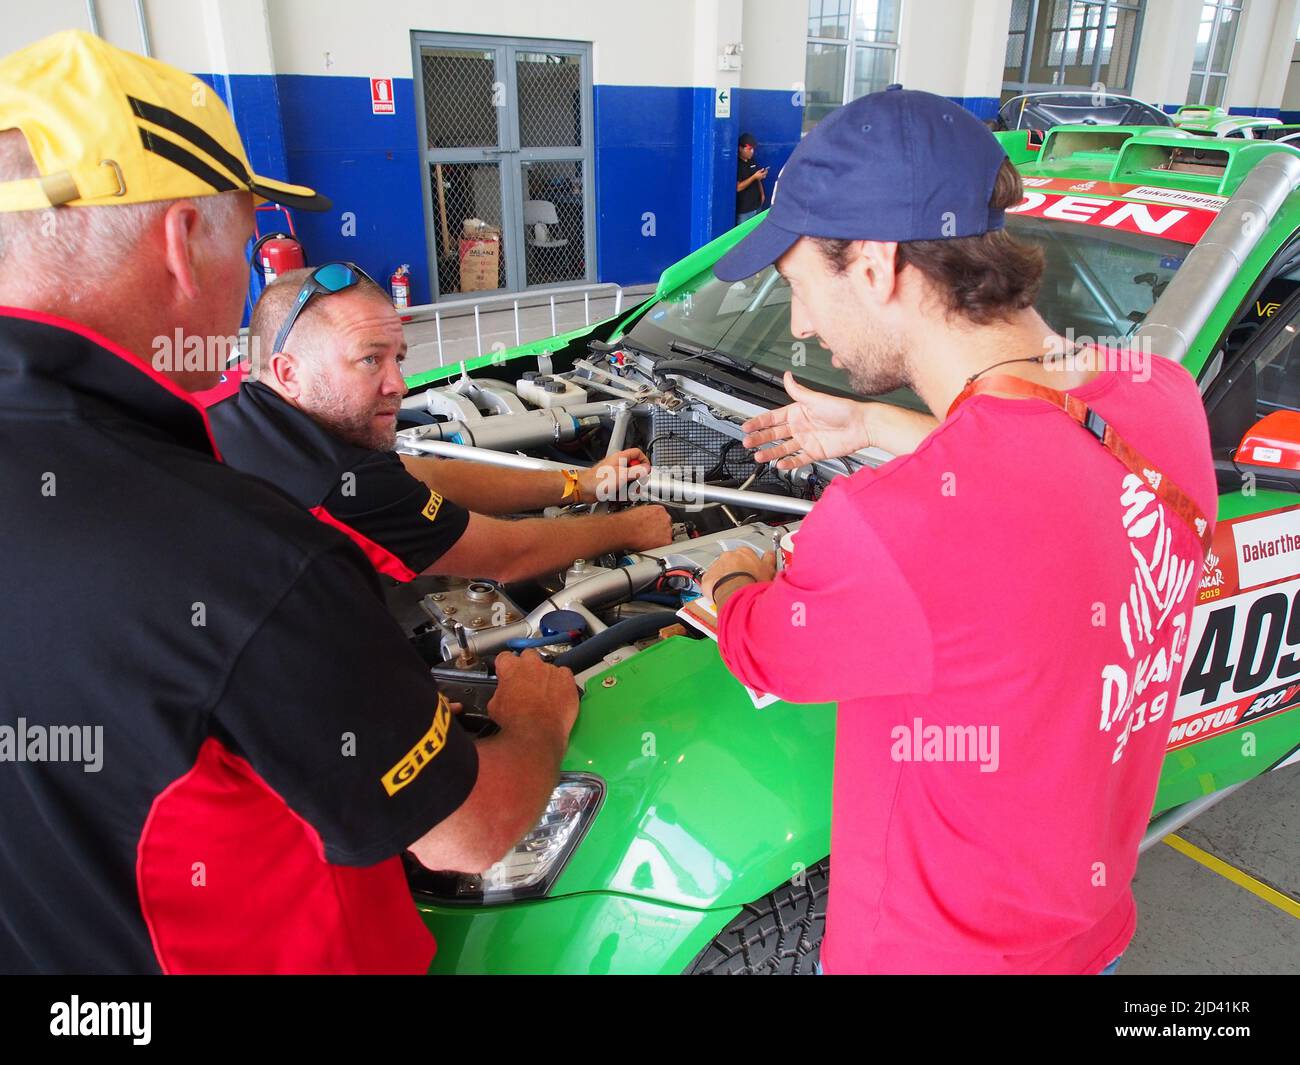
<point x="533" y="865"/>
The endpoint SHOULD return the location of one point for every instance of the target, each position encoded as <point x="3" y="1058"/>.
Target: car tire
<point x="779" y="935"/>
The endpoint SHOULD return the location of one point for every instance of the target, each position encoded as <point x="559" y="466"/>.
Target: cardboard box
<point x="480" y="259"/>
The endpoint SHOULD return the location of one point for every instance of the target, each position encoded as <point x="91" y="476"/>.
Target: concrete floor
<point x="1193" y="921"/>
<point x="497" y="326"/>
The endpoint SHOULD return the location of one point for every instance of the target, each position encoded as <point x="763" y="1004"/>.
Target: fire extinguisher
<point x="400" y="283"/>
<point x="277" y="253"/>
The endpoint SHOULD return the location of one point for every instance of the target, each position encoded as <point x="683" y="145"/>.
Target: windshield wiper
<point x="680" y="347"/>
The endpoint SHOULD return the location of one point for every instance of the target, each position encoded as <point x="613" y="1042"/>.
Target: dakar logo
<point x="422" y="753"/>
<point x="1151" y="624"/>
<point x="1213" y="573"/>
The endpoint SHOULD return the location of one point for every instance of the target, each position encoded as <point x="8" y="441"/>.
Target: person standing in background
<point x="750" y="196"/>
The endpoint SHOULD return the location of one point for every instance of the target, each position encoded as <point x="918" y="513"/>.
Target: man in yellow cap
<point x="207" y="763"/>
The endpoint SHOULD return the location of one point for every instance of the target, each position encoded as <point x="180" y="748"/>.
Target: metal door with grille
<point x="505" y="127"/>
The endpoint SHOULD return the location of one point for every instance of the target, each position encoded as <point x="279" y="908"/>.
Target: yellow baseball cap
<point x="110" y="127"/>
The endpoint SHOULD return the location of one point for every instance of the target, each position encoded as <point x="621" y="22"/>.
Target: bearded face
<point x="825" y="303"/>
<point x="875" y="362"/>
<point x="364" y="421"/>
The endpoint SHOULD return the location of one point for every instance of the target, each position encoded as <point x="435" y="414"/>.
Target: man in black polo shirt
<point x="318" y="419"/>
<point x="750" y="195"/>
<point x="215" y="744"/>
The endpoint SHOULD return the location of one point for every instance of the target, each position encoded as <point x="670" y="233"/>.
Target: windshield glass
<point x="1100" y="282"/>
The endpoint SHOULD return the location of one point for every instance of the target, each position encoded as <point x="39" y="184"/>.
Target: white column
<point x="955" y="50"/>
<point x="1166" y="51"/>
<point x="1261" y="58"/>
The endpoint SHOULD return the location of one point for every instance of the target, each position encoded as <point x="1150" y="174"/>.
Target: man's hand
<point x="646" y="527"/>
<point x="532" y="693"/>
<point x="741" y="560"/>
<point x="606" y="482"/>
<point x="815" y="426"/>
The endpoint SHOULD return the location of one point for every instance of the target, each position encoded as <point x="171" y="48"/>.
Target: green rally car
<point x="691" y="827"/>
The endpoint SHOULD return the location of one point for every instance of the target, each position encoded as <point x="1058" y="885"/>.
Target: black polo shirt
<point x="214" y="741"/>
<point x="396" y="519"/>
<point x="749" y="198"/>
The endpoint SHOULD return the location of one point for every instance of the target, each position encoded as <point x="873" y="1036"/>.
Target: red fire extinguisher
<point x="400" y="283"/>
<point x="277" y="253"/>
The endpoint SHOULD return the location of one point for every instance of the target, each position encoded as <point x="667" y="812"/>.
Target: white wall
<point x="1261" y="55"/>
<point x="774" y="38"/>
<point x="634" y="43"/>
<point x="1291" y="96"/>
<point x="1166" y="50"/>
<point x="24" y="23"/>
<point x="954" y="47"/>
<point x="204" y="36"/>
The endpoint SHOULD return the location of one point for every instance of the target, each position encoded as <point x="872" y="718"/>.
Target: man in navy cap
<point x="1001" y="611"/>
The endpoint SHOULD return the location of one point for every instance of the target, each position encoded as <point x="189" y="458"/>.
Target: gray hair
<point x="94" y="240"/>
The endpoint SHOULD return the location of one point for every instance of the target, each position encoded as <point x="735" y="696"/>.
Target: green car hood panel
<point x="711" y="802"/>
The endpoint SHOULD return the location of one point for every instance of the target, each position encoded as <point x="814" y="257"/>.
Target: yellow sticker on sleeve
<point x="424" y="752"/>
<point x="432" y="507"/>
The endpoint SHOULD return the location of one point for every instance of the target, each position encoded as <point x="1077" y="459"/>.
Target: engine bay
<point x="686" y="416"/>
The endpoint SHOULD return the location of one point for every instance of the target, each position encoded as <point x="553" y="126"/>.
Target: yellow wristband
<point x="570" y="484"/>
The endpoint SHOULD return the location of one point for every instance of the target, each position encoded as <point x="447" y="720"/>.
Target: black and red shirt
<point x="395" y="518"/>
<point x="268" y="742"/>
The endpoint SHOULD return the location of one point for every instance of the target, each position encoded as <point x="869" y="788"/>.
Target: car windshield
<point x="1099" y="282"/>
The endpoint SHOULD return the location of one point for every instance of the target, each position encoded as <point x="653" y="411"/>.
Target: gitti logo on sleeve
<point x="422" y="753"/>
<point x="102" y="1018"/>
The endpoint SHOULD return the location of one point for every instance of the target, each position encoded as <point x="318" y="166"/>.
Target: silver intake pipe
<point x="658" y="487"/>
<point x="599" y="588"/>
<point x="512" y="431"/>
<point x="623" y="583"/>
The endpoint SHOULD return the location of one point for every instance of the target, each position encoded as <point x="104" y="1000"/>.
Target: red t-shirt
<point x="1002" y="617"/>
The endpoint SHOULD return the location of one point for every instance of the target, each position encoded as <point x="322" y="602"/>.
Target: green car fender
<point x="710" y="803"/>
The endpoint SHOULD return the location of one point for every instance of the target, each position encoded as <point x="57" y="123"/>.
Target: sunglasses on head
<point x="324" y="280"/>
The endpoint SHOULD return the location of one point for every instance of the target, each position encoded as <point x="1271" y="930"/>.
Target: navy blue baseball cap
<point x="897" y="165"/>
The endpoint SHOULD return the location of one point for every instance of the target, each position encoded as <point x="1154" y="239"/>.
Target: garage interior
<point x="533" y="167"/>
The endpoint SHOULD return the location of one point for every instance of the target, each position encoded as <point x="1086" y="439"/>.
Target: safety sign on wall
<point x="722" y="103"/>
<point x="381" y="96"/>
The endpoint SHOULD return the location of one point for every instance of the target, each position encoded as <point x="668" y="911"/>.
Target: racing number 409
<point x="1211" y="667"/>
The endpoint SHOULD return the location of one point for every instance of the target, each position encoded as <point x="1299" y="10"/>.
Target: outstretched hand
<point x="815" y="426"/>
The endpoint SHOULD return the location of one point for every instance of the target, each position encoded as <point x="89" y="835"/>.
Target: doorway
<point x="507" y="161"/>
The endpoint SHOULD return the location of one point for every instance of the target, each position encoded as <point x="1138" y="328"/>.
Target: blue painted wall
<point x="368" y="164"/>
<point x="644" y="167"/>
<point x="982" y="107"/>
<point x="664" y="166"/>
<point x="1256" y="112"/>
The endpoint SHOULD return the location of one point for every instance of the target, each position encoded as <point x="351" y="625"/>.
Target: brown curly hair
<point x="985" y="278"/>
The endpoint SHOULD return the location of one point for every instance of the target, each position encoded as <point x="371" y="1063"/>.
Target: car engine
<point x="601" y="610"/>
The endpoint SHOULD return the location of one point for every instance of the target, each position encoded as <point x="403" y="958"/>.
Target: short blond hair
<point x="273" y="307"/>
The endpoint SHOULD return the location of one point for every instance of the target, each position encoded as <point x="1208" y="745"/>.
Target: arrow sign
<point x="722" y="103"/>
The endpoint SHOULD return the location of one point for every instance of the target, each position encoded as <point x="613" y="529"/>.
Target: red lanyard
<point x="1178" y="501"/>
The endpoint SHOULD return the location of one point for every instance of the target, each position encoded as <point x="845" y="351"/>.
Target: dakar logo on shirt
<point x="1213" y="577"/>
<point x="432" y="507"/>
<point x="1160" y="580"/>
<point x="422" y="753"/>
